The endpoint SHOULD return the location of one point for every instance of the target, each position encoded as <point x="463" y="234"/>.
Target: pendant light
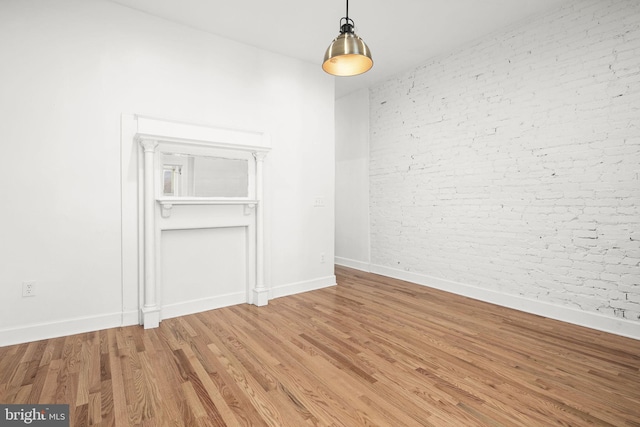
<point x="348" y="55"/>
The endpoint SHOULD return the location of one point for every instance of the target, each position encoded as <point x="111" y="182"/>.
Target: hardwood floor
<point x="370" y="351"/>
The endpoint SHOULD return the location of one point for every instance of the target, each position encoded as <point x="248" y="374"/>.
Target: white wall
<point x="71" y="68"/>
<point x="508" y="170"/>
<point x="352" y="180"/>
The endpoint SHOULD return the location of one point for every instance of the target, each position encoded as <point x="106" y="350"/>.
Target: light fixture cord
<point x="348" y="25"/>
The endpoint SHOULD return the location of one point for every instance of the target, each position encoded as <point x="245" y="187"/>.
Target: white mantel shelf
<point x="203" y="201"/>
<point x="166" y="203"/>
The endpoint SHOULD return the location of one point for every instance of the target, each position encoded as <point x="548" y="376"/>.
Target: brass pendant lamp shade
<point x="348" y="54"/>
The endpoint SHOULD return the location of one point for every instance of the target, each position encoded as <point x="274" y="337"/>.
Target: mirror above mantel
<point x="186" y="175"/>
<point x="221" y="178"/>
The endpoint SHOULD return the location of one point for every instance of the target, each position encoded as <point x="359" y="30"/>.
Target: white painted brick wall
<point x="513" y="163"/>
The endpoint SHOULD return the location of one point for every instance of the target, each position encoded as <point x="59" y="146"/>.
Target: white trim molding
<point x="78" y="325"/>
<point x="587" y="319"/>
<point x="352" y="263"/>
<point x="300" y="287"/>
<point x="200" y="305"/>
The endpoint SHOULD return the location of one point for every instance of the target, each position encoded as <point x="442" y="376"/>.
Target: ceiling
<point x="400" y="33"/>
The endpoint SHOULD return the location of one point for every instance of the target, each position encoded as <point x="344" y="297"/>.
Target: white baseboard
<point x="197" y="306"/>
<point x="205" y="304"/>
<point x="299" y="287"/>
<point x="352" y="263"/>
<point x="131" y="318"/>
<point x="596" y="321"/>
<point x="36" y="332"/>
<point x="587" y="319"/>
<point x="41" y="331"/>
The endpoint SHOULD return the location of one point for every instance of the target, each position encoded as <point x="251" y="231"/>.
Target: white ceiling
<point x="399" y="33"/>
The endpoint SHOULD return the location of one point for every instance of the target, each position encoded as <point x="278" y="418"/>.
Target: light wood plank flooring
<point x="370" y="351"/>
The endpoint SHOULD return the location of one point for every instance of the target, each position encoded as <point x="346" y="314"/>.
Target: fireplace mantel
<point x="157" y="136"/>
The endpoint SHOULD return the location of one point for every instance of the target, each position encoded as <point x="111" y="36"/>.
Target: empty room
<point x="324" y="213"/>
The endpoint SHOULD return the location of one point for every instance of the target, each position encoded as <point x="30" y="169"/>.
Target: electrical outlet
<point x="318" y="202"/>
<point x="322" y="257"/>
<point x="29" y="289"/>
